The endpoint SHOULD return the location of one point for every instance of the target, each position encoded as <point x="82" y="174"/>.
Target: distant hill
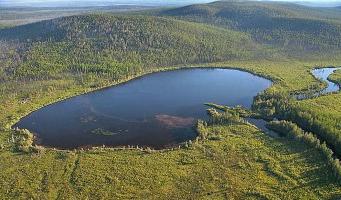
<point x="14" y="16"/>
<point x="202" y="33"/>
<point x="291" y="27"/>
<point x="109" y="44"/>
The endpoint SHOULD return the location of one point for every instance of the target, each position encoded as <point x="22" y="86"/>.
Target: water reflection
<point x="157" y="110"/>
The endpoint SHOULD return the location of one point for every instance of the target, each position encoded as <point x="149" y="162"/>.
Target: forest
<point x="117" y="46"/>
<point x="296" y="30"/>
<point x="50" y="60"/>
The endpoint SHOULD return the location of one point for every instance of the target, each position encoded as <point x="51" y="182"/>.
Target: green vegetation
<point x="292" y="131"/>
<point x="243" y="163"/>
<point x="48" y="61"/>
<point x="23" y="140"/>
<point x="336" y="77"/>
<point x="14" y="16"/>
<point x="100" y="131"/>
<point x="117" y="46"/>
<point x="320" y="116"/>
<point x="238" y="110"/>
<point x="296" y="30"/>
<point x="2" y="26"/>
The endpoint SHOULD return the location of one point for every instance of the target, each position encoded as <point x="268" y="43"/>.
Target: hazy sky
<point x="96" y="2"/>
<point x="41" y="3"/>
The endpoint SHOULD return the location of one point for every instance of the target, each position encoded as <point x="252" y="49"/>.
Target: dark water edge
<point x="261" y="125"/>
<point x="157" y="110"/>
<point x="160" y="131"/>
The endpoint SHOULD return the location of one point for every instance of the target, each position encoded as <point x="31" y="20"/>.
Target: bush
<point x="227" y="116"/>
<point x="230" y="116"/>
<point x="201" y="129"/>
<point x="23" y="140"/>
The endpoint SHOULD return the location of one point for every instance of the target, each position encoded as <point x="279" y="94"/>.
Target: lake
<point x="158" y="110"/>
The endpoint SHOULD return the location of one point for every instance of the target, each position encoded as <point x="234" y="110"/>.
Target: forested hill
<point x="120" y="45"/>
<point x="256" y="8"/>
<point x="128" y="44"/>
<point x="292" y="27"/>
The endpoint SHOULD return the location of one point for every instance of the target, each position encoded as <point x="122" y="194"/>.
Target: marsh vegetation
<point x="168" y="105"/>
<point x="45" y="62"/>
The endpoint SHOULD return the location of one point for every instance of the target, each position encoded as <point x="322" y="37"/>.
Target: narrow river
<point x="322" y="74"/>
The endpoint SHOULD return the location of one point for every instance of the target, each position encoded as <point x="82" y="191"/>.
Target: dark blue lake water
<point x="156" y="110"/>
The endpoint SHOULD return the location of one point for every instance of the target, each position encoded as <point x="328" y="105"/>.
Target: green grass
<point x="244" y="163"/>
<point x="64" y="58"/>
<point x="336" y="77"/>
<point x="2" y="26"/>
<point x="322" y="114"/>
<point x="241" y="163"/>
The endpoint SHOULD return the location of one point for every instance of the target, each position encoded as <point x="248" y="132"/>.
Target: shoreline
<point x="125" y="81"/>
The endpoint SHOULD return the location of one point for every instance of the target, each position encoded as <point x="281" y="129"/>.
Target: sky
<point x="42" y="3"/>
<point x="53" y="3"/>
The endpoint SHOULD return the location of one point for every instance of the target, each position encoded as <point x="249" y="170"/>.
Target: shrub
<point x="23" y="140"/>
<point x="201" y="129"/>
<point x="228" y="117"/>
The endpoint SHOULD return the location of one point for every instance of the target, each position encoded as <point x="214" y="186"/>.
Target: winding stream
<point x="322" y="74"/>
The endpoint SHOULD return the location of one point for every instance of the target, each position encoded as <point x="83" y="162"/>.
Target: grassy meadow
<point x="253" y="164"/>
<point x="242" y="163"/>
<point x="336" y="77"/>
<point x="48" y="61"/>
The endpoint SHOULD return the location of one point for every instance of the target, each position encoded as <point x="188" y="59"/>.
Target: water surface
<point x="261" y="125"/>
<point x="156" y="110"/>
<point x="323" y="75"/>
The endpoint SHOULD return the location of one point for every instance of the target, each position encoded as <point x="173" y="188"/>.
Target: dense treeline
<point x="271" y="104"/>
<point x="325" y="123"/>
<point x="73" y="55"/>
<point x="10" y="58"/>
<point x="121" y="46"/>
<point x="231" y="116"/>
<point x="296" y="29"/>
<point x="292" y="131"/>
<point x="256" y="9"/>
<point x="105" y="44"/>
<point x="118" y="46"/>
<point x="225" y="116"/>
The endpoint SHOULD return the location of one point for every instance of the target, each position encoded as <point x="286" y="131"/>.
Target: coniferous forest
<point x="60" y="56"/>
